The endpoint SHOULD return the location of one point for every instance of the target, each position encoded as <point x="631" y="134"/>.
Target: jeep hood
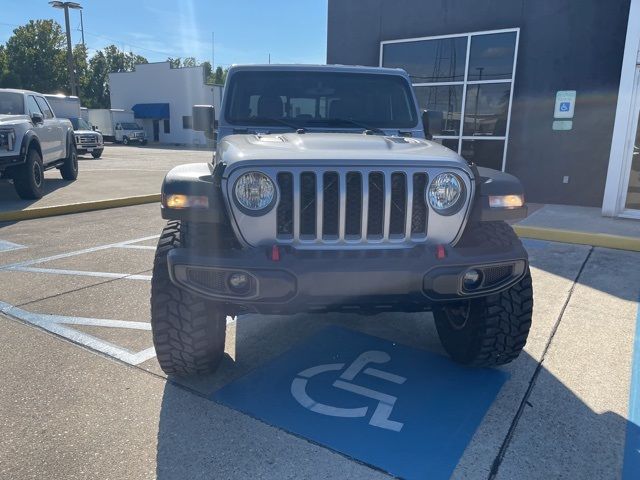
<point x="339" y="147"/>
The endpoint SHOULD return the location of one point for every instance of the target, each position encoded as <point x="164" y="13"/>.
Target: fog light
<point x="239" y="282"/>
<point x="471" y="280"/>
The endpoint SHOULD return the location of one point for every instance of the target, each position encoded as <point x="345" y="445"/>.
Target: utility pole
<point x="70" y="65"/>
<point x="82" y="29"/>
<point x="213" y="50"/>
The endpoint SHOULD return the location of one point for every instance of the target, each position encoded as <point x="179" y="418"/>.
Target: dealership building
<point x="162" y="98"/>
<point x="548" y="90"/>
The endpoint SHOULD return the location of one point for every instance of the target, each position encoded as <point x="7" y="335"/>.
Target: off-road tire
<point x="487" y="331"/>
<point x="96" y="153"/>
<point x="188" y="331"/>
<point x="489" y="234"/>
<point x="28" y="179"/>
<point x="69" y="169"/>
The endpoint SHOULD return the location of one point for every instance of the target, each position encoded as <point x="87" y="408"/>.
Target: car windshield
<point x="131" y="126"/>
<point x="80" y="124"/>
<point x="320" y="99"/>
<point x="11" y="103"/>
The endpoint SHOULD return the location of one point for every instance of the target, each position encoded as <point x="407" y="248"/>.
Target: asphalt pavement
<point x="83" y="395"/>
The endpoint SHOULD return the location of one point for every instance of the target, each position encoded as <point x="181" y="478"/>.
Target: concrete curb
<point x="583" y="238"/>
<point x="55" y="210"/>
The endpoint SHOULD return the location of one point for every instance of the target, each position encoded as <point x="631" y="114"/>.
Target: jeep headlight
<point x="7" y="139"/>
<point x="446" y="193"/>
<point x="254" y="191"/>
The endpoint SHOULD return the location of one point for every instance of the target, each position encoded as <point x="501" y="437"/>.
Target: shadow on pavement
<point x="9" y="199"/>
<point x="198" y="438"/>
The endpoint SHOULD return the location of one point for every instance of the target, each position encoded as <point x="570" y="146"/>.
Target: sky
<point x="245" y="31"/>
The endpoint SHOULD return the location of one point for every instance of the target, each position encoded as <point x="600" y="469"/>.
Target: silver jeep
<point x="324" y="194"/>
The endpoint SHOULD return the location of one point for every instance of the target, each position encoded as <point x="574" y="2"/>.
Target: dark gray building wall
<point x="564" y="45"/>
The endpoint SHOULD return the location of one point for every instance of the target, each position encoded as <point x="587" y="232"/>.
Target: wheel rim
<point x="37" y="174"/>
<point x="74" y="161"/>
<point x="458" y="315"/>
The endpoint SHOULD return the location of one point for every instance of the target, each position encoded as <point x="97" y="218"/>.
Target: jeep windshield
<point x="11" y="103"/>
<point x="131" y="126"/>
<point x="312" y="99"/>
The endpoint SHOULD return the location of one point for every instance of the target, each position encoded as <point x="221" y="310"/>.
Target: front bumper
<point x="9" y="160"/>
<point x="359" y="281"/>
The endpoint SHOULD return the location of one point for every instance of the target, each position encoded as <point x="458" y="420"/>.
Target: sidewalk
<point x="582" y="225"/>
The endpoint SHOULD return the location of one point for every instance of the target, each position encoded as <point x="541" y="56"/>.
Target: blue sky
<point x="246" y="31"/>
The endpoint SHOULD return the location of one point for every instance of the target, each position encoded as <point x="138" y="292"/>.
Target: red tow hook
<point x="275" y="253"/>
<point x="440" y="252"/>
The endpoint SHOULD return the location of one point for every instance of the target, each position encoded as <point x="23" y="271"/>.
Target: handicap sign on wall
<point x="403" y="410"/>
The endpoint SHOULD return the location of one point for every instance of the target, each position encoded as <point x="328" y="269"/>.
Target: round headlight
<point x="255" y="191"/>
<point x="445" y="193"/>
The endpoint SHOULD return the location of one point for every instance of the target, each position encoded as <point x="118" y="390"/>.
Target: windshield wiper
<point x="297" y="128"/>
<point x="368" y="130"/>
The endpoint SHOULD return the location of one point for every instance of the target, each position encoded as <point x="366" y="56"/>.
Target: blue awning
<point x="151" y="110"/>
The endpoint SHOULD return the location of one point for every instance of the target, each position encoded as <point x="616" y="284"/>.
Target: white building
<point x="162" y="97"/>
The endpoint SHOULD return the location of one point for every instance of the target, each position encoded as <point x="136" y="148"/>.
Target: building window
<point x="465" y="82"/>
<point x="167" y="126"/>
<point x="187" y="122"/>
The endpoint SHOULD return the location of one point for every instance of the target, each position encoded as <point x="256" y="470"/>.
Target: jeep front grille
<point x="349" y="207"/>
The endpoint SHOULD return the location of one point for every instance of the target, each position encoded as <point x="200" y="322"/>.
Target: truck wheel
<point x="125" y="140"/>
<point x="69" y="169"/>
<point x="28" y="179"/>
<point x="188" y="331"/>
<point x="488" y="331"/>
<point x="96" y="153"/>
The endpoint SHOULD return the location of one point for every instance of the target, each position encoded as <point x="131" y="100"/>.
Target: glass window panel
<point x="441" y="60"/>
<point x="486" y="109"/>
<point x="444" y="105"/>
<point x="491" y="56"/>
<point x="633" y="191"/>
<point x="484" y="153"/>
<point x="450" y="143"/>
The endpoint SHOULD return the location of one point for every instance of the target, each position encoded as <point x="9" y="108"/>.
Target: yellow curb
<point x="583" y="238"/>
<point x="41" y="212"/>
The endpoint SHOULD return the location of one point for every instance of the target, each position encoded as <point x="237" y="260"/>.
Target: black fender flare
<point x="29" y="140"/>
<point x="496" y="183"/>
<point x="198" y="179"/>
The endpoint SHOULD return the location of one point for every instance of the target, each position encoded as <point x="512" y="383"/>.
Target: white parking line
<point x="82" y="273"/>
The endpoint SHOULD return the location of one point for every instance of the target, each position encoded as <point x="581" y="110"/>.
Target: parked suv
<point x="87" y="139"/>
<point x="33" y="140"/>
<point x="324" y="195"/>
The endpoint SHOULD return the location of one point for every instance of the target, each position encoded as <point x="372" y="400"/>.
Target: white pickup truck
<point x="32" y="140"/>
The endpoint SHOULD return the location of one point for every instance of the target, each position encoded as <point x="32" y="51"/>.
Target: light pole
<point x="66" y="6"/>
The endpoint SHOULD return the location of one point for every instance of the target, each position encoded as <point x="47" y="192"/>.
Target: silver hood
<point x="344" y="147"/>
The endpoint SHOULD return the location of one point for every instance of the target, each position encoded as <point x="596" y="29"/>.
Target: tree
<point x="35" y="56"/>
<point x="220" y="75"/>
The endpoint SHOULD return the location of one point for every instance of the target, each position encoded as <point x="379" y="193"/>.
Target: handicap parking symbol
<point x="404" y="410"/>
<point x="565" y="106"/>
<point x="382" y="412"/>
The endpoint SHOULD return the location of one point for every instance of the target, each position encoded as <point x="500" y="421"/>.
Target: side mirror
<point x="204" y="119"/>
<point x="94" y="128"/>
<point x="37" y="118"/>
<point x="425" y="125"/>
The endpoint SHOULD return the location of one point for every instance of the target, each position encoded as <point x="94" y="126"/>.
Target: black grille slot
<point x="285" y="207"/>
<point x="353" y="214"/>
<point x="376" y="204"/>
<point x="398" y="204"/>
<point x="308" y="204"/>
<point x="330" y="204"/>
<point x="495" y="275"/>
<point x="212" y="280"/>
<point x="419" y="208"/>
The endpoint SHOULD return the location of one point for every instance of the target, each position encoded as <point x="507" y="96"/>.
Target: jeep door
<point x="59" y="138"/>
<point x="45" y="133"/>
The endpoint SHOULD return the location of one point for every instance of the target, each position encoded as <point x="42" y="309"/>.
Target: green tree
<point x="220" y="75"/>
<point x="81" y="68"/>
<point x="35" y="56"/>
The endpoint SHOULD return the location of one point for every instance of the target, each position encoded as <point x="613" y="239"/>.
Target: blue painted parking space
<point x="406" y="411"/>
